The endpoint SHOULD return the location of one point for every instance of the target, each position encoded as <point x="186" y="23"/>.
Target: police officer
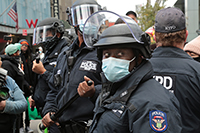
<point x="48" y="33"/>
<point x="174" y="68"/>
<point x="130" y="100"/>
<point x="73" y="64"/>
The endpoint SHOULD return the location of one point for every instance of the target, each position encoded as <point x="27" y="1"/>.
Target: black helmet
<point x="121" y="32"/>
<point x="48" y="26"/>
<point x="80" y="11"/>
<point x="120" y="36"/>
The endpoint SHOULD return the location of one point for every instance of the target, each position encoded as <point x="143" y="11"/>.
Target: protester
<point x="51" y="31"/>
<point x="193" y="48"/>
<point x="12" y="62"/>
<point x="29" y="76"/>
<point x="73" y="64"/>
<point x="174" y="68"/>
<point x="41" y="53"/>
<point x="130" y="100"/>
<point x="27" y="57"/>
<point x="11" y="105"/>
<point x="132" y="15"/>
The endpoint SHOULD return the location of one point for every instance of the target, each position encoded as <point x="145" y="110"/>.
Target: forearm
<point x="18" y="105"/>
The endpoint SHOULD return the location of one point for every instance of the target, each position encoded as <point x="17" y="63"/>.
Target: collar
<point x="174" y="52"/>
<point x="75" y="46"/>
<point x="141" y="74"/>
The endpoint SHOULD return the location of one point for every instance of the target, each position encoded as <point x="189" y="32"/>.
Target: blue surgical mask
<point x="89" y="30"/>
<point x="115" y="69"/>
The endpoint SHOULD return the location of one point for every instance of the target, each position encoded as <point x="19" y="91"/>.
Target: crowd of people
<point x="108" y="80"/>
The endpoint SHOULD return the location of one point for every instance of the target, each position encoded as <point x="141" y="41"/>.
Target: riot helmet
<point x="80" y="11"/>
<point x="106" y="29"/>
<point x="46" y="32"/>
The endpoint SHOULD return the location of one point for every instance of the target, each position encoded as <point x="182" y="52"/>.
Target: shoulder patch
<point x="158" y="120"/>
<point x="87" y="65"/>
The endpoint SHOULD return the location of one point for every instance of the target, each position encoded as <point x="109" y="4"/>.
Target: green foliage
<point x="67" y="26"/>
<point x="147" y="13"/>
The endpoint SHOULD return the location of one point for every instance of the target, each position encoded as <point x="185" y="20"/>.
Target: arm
<point x="40" y="69"/>
<point x="89" y="91"/>
<point x="17" y="102"/>
<point x="6" y="65"/>
<point x="50" y="105"/>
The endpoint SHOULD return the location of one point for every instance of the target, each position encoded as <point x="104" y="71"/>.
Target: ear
<point x="186" y="35"/>
<point x="58" y="34"/>
<point x="15" y="54"/>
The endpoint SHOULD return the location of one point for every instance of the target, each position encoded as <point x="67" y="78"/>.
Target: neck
<point x="178" y="45"/>
<point x="80" y="38"/>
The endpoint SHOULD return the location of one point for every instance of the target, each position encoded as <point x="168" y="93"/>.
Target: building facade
<point x="30" y="13"/>
<point x="191" y="8"/>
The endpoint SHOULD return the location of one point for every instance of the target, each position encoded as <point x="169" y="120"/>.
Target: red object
<point x="24" y="32"/>
<point x="111" y="23"/>
<point x="13" y="14"/>
<point x="31" y="23"/>
<point x="2" y="41"/>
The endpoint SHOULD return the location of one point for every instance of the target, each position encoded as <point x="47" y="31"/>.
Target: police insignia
<point x="158" y="120"/>
<point x="88" y="66"/>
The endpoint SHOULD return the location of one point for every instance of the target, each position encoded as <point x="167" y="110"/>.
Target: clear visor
<point x="81" y="12"/>
<point x="101" y="20"/>
<point x="42" y="34"/>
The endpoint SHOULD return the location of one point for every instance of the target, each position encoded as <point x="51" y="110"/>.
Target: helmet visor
<point x="101" y="20"/>
<point x="42" y="34"/>
<point x="81" y="12"/>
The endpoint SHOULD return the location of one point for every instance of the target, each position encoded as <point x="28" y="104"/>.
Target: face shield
<point x="99" y="21"/>
<point x="43" y="34"/>
<point x="80" y="13"/>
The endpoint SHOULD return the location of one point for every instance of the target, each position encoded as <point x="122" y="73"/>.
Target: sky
<point x="122" y="6"/>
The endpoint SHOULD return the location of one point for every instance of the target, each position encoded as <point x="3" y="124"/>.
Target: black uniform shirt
<point x="180" y="74"/>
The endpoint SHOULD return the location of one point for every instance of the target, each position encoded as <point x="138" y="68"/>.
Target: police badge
<point x="158" y="120"/>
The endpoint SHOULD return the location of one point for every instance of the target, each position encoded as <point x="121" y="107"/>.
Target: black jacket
<point x="29" y="75"/>
<point x="136" y="104"/>
<point x="85" y="64"/>
<point x="49" y="63"/>
<point x="179" y="73"/>
<point x="12" y="65"/>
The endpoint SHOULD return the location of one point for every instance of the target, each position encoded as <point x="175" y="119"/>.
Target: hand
<point x="2" y="105"/>
<point x="46" y="120"/>
<point x="31" y="101"/>
<point x="38" y="67"/>
<point x="10" y="41"/>
<point x="84" y="90"/>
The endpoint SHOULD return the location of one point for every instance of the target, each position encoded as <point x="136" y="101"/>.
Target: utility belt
<point x="75" y="127"/>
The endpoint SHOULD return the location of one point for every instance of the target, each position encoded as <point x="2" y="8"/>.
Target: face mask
<point x="115" y="69"/>
<point x="197" y="59"/>
<point x="49" y="38"/>
<point x="89" y="30"/>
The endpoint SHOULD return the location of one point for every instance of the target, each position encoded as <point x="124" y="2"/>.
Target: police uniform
<point x="73" y="64"/>
<point x="49" y="63"/>
<point x="136" y="103"/>
<point x="179" y="73"/>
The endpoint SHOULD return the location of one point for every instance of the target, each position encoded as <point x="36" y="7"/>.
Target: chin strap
<point x="49" y="44"/>
<point x="77" y="29"/>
